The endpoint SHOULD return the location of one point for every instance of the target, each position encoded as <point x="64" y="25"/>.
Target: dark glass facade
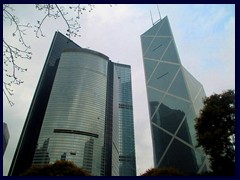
<point x="27" y="143"/>
<point x="127" y="158"/>
<point x="74" y="114"/>
<point x="175" y="98"/>
<point x="6" y="136"/>
<point x="111" y="165"/>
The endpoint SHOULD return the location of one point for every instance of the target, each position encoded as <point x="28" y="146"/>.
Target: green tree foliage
<point x="163" y="172"/>
<point x="216" y="131"/>
<point x="59" y="168"/>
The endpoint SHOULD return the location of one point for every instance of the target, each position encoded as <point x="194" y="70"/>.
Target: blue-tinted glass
<point x="127" y="160"/>
<point x="193" y="85"/>
<point x="29" y="137"/>
<point x="173" y="110"/>
<point x="190" y="119"/>
<point x="176" y="104"/>
<point x="146" y="43"/>
<point x="186" y="160"/>
<point x="157" y="48"/>
<point x="163" y="76"/>
<point x="198" y="103"/>
<point x="149" y="66"/>
<point x="168" y="118"/>
<point x="165" y="29"/>
<point x="173" y="99"/>
<point x="154" y="98"/>
<point x="154" y="95"/>
<point x="161" y="141"/>
<point x="178" y="87"/>
<point x="77" y="103"/>
<point x="184" y="133"/>
<point x="171" y="54"/>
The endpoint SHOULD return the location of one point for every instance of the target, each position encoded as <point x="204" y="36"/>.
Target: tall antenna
<point x="151" y="17"/>
<point x="159" y="12"/>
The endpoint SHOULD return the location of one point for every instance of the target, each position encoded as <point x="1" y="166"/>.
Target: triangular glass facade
<point x="175" y="98"/>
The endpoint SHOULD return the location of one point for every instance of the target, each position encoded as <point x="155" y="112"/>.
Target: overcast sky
<point x="204" y="36"/>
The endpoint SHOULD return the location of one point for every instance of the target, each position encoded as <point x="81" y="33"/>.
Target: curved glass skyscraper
<point x="74" y="120"/>
<point x="174" y="98"/>
<point x="75" y="112"/>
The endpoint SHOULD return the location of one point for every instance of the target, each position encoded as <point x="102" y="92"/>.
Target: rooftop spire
<point x="159" y="12"/>
<point x="151" y="17"/>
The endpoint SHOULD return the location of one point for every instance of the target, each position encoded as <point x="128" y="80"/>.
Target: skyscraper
<point x="74" y="114"/>
<point x="28" y="140"/>
<point x="126" y="128"/>
<point x="174" y="98"/>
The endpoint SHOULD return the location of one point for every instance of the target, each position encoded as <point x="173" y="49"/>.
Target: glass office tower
<point x="74" y="120"/>
<point x="24" y="153"/>
<point x="126" y="131"/>
<point x="174" y="98"/>
<point x="74" y="114"/>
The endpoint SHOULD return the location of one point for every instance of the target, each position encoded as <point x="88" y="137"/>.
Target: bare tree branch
<point x="11" y="52"/>
<point x="55" y="11"/>
<point x="21" y="50"/>
<point x="10" y="102"/>
<point x="73" y="29"/>
<point x="14" y="20"/>
<point x="49" y="10"/>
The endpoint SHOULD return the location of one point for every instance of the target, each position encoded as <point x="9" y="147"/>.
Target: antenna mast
<point x="151" y="17"/>
<point x="159" y="12"/>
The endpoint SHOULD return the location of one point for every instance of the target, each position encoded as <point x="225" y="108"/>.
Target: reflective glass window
<point x="157" y="48"/>
<point x="178" y="87"/>
<point x="163" y="76"/>
<point x="161" y="141"/>
<point x="186" y="160"/>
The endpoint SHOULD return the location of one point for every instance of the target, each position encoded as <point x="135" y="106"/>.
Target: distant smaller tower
<point x="6" y="136"/>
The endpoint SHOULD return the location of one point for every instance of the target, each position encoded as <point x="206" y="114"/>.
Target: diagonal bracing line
<point x="162" y="75"/>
